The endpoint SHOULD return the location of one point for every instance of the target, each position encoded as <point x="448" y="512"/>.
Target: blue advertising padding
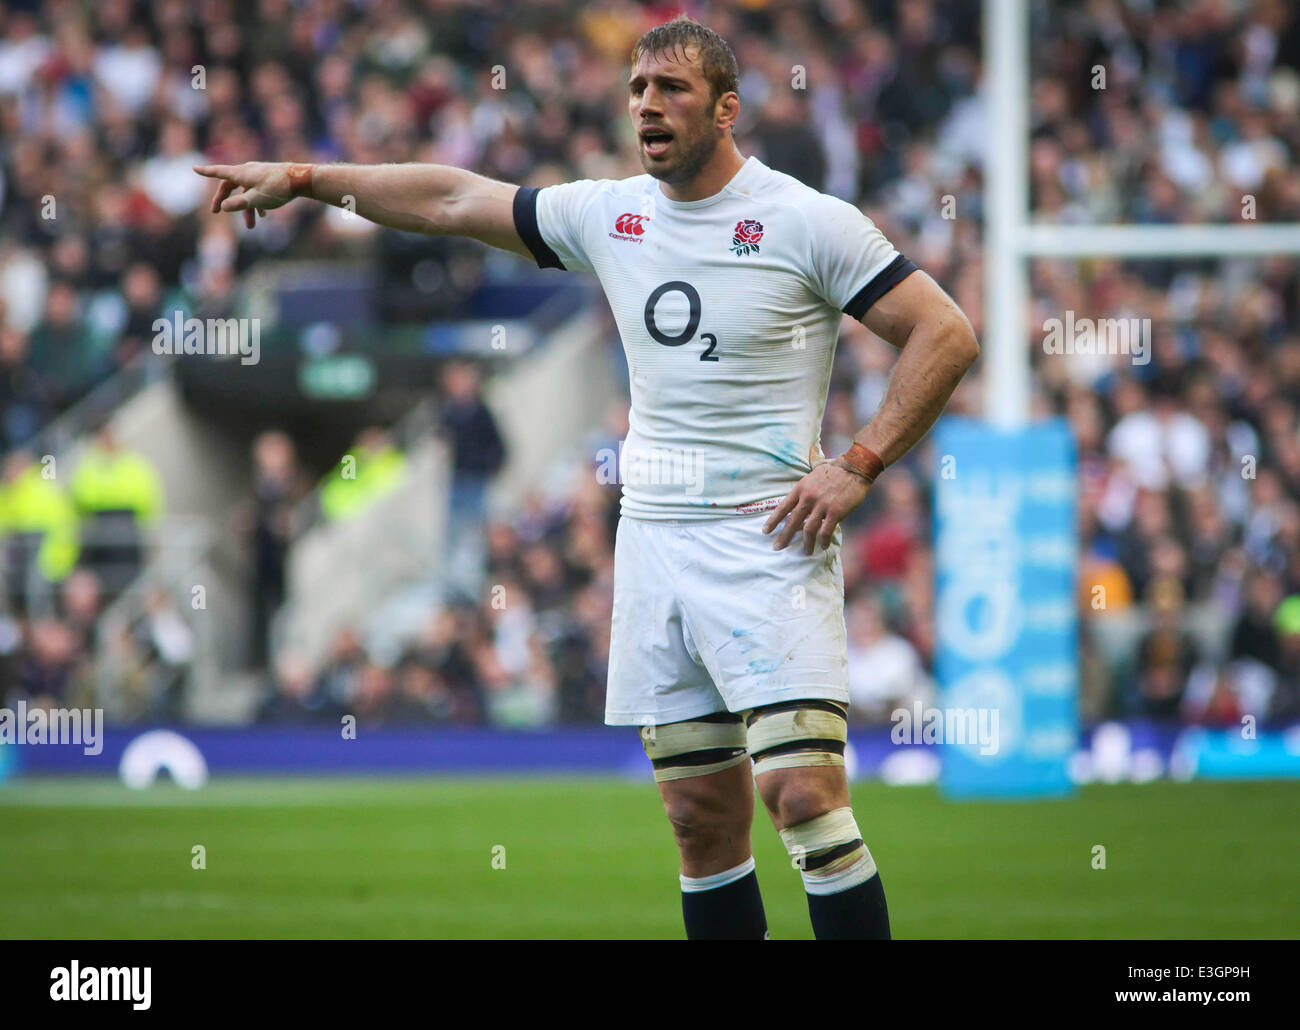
<point x="1006" y="560"/>
<point x="320" y="750"/>
<point x="1228" y="755"/>
<point x="873" y="753"/>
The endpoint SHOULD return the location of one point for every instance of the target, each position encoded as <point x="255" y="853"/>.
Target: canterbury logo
<point x="630" y="225"/>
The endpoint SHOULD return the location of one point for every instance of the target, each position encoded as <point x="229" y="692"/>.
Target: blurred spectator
<point x="1166" y="654"/>
<point x="377" y="701"/>
<point x="39" y="527"/>
<point x="1158" y="442"/>
<point x="451" y="693"/>
<point x="884" y="550"/>
<point x="295" y="696"/>
<point x="477" y="454"/>
<point x="51" y="673"/>
<point x="11" y="644"/>
<point x="1222" y="697"/>
<point x="372" y="469"/>
<point x="166" y="644"/>
<point x="64" y="353"/>
<point x="340" y="677"/>
<point x="1255" y="636"/>
<point x="1286" y="702"/>
<point x="118" y="495"/>
<point x="168" y="178"/>
<point x="81" y="604"/>
<point x="425" y="695"/>
<point x="268" y="521"/>
<point x="885" y="671"/>
<point x="789" y="143"/>
<point x="22" y="397"/>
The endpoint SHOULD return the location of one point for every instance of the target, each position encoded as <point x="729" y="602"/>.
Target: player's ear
<point x="727" y="110"/>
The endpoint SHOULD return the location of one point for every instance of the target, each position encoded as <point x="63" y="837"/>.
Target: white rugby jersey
<point x="729" y="309"/>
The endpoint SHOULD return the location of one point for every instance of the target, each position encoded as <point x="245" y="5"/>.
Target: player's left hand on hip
<point x="817" y="504"/>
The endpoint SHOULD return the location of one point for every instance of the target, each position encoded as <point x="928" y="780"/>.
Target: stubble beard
<point x="694" y="158"/>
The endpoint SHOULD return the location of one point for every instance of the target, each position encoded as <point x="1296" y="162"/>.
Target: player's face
<point x="673" y="113"/>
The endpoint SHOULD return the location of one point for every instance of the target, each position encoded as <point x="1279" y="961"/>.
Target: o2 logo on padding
<point x="687" y="333"/>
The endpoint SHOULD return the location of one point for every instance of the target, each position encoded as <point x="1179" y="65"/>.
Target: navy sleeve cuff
<point x="889" y="277"/>
<point x="525" y="211"/>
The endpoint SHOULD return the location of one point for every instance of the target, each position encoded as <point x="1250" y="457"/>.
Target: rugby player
<point x="728" y="281"/>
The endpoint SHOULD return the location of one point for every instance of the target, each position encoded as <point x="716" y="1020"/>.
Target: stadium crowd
<point x="1149" y="112"/>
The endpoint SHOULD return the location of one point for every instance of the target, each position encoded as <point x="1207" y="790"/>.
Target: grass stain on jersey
<point x="745" y="647"/>
<point x="781" y="447"/>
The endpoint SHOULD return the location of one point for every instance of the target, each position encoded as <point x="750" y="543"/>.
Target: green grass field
<point x="595" y="859"/>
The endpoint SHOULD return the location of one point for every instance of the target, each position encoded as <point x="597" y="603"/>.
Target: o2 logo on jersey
<point x="744" y="240"/>
<point x="670" y="292"/>
<point x="629" y="227"/>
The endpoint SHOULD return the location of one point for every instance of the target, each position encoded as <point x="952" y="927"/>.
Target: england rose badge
<point x="745" y="239"/>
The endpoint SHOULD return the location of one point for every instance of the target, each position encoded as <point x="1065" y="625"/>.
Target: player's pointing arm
<point x="434" y="199"/>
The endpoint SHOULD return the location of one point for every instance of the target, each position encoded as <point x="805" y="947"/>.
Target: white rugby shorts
<point x="709" y="618"/>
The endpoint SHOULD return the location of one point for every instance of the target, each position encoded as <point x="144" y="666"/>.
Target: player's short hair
<point x="717" y="61"/>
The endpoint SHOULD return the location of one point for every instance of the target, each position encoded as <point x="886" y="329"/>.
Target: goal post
<point x="1011" y="240"/>
<point x="1006" y="542"/>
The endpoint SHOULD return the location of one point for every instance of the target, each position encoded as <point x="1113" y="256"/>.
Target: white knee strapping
<point x="797" y="733"/>
<point x="696" y="747"/>
<point x="829" y="852"/>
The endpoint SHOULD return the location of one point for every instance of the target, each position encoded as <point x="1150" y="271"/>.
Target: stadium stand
<point x="1189" y="463"/>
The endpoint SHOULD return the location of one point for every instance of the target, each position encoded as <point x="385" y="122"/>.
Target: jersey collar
<point x="742" y="182"/>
